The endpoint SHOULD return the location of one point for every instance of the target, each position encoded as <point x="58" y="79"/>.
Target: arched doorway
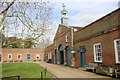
<point x="56" y="57"/>
<point x="0" y="57"/>
<point x="52" y="58"/>
<point x="68" y="59"/>
<point x="61" y="52"/>
<point x="82" y="56"/>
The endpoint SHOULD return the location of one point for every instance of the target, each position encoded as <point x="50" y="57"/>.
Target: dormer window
<point x="66" y="37"/>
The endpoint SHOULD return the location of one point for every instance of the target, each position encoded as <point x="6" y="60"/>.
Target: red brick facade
<point x="103" y="31"/>
<point x="60" y="39"/>
<point x="35" y="55"/>
<point x="49" y="51"/>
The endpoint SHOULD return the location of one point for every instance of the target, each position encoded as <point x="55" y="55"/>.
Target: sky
<point x="81" y="12"/>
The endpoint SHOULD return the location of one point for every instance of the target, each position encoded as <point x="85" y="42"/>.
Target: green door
<point x="68" y="56"/>
<point x="82" y="56"/>
<point x="52" y="58"/>
<point x="56" y="56"/>
<point x="28" y="57"/>
<point x="0" y="57"/>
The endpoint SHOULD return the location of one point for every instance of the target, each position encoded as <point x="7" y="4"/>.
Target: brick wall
<point x="23" y="52"/>
<point x="105" y="23"/>
<point x="60" y="39"/>
<point x="49" y="51"/>
<point x="104" y="31"/>
<point x="108" y="49"/>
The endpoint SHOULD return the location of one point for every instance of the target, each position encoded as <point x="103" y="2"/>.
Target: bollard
<point x="41" y="75"/>
<point x="18" y="77"/>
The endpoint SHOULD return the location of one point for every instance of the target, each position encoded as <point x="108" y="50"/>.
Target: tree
<point x="28" y="43"/>
<point x="44" y="43"/>
<point x="25" y="19"/>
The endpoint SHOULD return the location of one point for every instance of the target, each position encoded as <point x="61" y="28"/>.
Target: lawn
<point x="25" y="70"/>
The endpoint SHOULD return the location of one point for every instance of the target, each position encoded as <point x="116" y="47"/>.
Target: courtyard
<point x="61" y="71"/>
<point x="87" y="36"/>
<point x="31" y="71"/>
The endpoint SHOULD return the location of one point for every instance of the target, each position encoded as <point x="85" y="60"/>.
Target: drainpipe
<point x="72" y="45"/>
<point x="72" y="39"/>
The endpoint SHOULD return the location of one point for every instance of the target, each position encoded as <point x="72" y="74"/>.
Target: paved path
<point x="61" y="71"/>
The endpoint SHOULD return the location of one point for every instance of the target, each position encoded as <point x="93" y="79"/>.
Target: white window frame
<point x="37" y="55"/>
<point x="9" y="55"/>
<point x="95" y="60"/>
<point x="18" y="55"/>
<point x="116" y="50"/>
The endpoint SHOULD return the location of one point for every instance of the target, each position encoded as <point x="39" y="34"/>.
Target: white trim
<point x="95" y="52"/>
<point x="17" y="56"/>
<point x="37" y="55"/>
<point x="116" y="51"/>
<point x="9" y="55"/>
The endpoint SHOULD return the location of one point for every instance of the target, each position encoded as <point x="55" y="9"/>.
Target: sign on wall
<point x="73" y="51"/>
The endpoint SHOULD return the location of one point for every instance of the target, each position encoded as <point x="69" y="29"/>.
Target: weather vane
<point x="63" y="5"/>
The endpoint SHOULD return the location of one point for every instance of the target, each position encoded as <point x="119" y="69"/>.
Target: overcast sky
<point x="82" y="12"/>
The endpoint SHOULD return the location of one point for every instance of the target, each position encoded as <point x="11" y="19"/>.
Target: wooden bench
<point x="117" y="73"/>
<point x="91" y="66"/>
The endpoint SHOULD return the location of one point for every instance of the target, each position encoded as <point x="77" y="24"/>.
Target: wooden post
<point x="41" y="75"/>
<point x="18" y="77"/>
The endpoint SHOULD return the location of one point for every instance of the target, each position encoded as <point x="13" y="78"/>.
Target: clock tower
<point x="64" y="19"/>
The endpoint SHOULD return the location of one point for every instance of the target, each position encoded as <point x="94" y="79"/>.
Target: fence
<point x="43" y="73"/>
<point x="18" y="77"/>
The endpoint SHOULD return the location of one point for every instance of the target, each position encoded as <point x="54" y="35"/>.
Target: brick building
<point x="63" y="44"/>
<point x="98" y="42"/>
<point x="48" y="53"/>
<point x="21" y="55"/>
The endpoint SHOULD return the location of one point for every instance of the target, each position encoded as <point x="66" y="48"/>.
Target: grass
<point x="25" y="70"/>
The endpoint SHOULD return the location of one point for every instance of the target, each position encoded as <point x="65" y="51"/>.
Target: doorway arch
<point x="56" y="57"/>
<point x="68" y="57"/>
<point x="61" y="53"/>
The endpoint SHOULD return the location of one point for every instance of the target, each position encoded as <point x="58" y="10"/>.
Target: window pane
<point x="99" y="46"/>
<point x="9" y="56"/>
<point x="119" y="53"/>
<point x="98" y="54"/>
<point x="119" y="59"/>
<point x="117" y="46"/>
<point x="18" y="56"/>
<point x="98" y="58"/>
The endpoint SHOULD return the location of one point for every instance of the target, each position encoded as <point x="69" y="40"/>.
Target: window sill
<point x="117" y="63"/>
<point x="97" y="62"/>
